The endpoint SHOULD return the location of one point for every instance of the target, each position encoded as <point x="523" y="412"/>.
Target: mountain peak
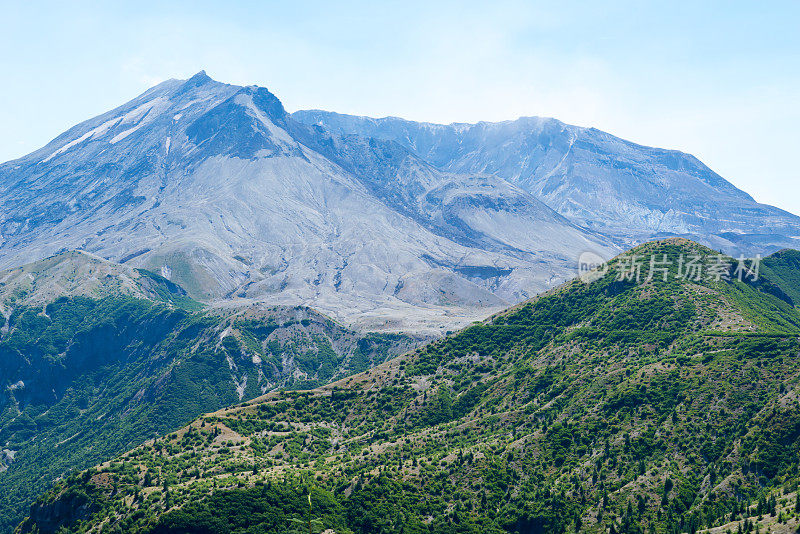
<point x="199" y="79"/>
<point x="264" y="99"/>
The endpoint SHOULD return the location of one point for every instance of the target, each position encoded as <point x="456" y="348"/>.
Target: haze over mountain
<point x="379" y="223"/>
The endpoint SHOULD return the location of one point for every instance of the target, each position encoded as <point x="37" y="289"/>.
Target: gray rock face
<point x="628" y="192"/>
<point x="219" y="189"/>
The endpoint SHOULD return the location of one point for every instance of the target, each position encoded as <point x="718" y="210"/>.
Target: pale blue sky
<point x="718" y="79"/>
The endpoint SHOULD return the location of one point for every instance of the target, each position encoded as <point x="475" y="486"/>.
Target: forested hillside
<point x="643" y="401"/>
<point x="86" y="378"/>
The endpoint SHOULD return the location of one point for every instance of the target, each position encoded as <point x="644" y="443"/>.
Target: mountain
<point x="657" y="394"/>
<point x="218" y="189"/>
<point x="627" y="192"/>
<point x="96" y="358"/>
<point x="78" y="273"/>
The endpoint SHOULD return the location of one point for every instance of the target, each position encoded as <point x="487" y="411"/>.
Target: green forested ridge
<point x="783" y="268"/>
<point x="614" y="406"/>
<point x="85" y="379"/>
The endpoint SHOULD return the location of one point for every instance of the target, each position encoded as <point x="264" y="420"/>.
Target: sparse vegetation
<point x="658" y="407"/>
<point x="86" y="379"/>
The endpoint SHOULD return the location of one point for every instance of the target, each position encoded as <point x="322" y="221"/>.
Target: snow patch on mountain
<point x="96" y="132"/>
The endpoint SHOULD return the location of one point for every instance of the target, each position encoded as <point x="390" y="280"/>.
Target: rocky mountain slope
<point x="641" y="401"/>
<point x="96" y="358"/>
<point x="218" y="189"/>
<point x="628" y="192"/>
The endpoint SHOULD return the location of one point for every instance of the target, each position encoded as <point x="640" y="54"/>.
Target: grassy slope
<point x="656" y="407"/>
<point x="77" y="273"/>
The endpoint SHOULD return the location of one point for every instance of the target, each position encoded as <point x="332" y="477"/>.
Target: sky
<point x="720" y="80"/>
